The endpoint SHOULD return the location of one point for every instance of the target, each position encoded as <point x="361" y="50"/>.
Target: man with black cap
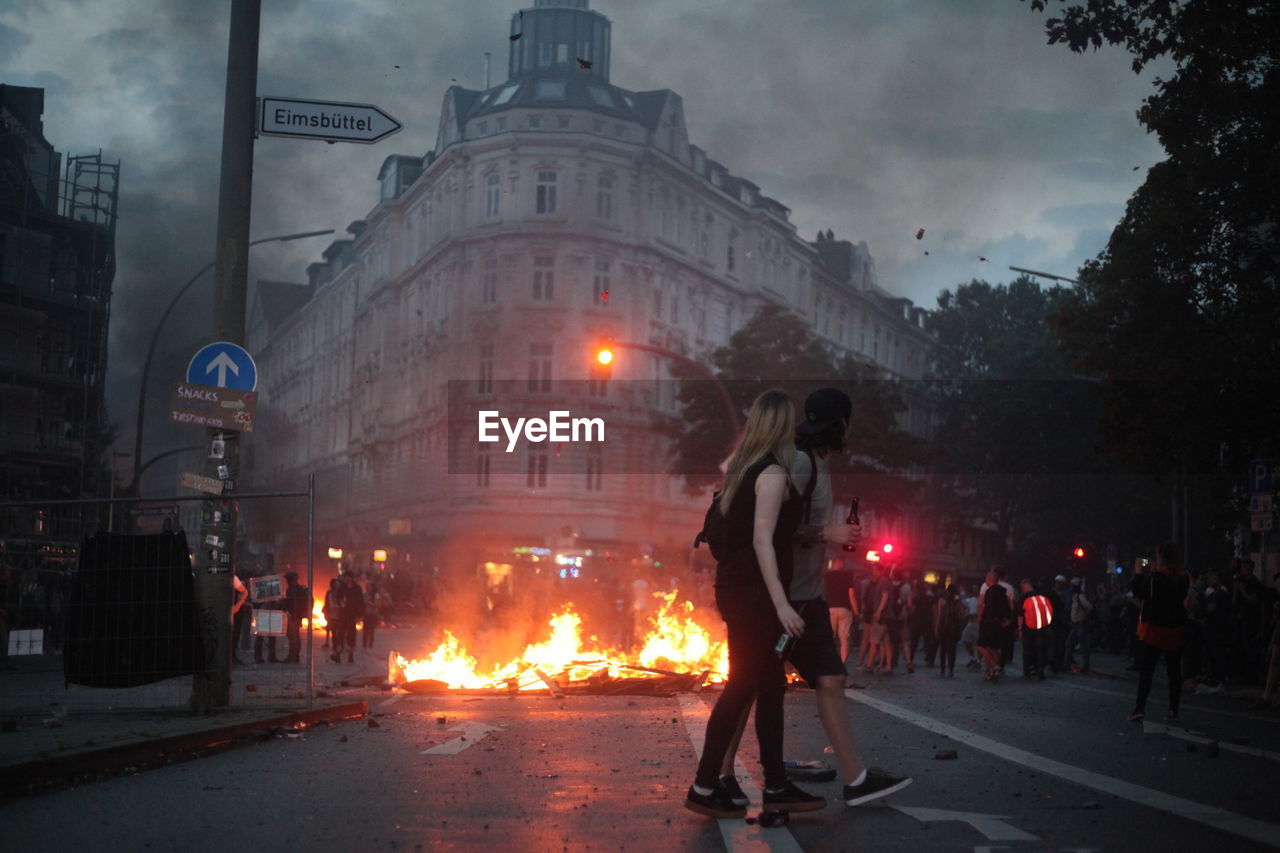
<point x="815" y="655"/>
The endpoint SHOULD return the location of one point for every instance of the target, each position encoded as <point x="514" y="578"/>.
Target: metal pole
<point x="700" y="368"/>
<point x="216" y="545"/>
<point x="135" y="485"/>
<point x="311" y="581"/>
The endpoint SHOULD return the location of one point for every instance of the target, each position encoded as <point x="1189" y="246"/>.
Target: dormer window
<point x="505" y="95"/>
<point x="549" y="90"/>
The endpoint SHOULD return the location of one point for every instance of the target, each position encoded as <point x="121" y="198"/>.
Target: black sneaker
<point x="716" y="804"/>
<point x="729" y="785"/>
<point x="877" y="784"/>
<point x="792" y="799"/>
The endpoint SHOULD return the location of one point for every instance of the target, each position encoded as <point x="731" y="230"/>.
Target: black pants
<point x="1036" y="643"/>
<point x="271" y="648"/>
<point x="1147" y="657"/>
<point x="293" y="632"/>
<point x="947" y="652"/>
<point x="755" y="675"/>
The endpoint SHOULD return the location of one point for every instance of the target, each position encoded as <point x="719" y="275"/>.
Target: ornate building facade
<point x="556" y="210"/>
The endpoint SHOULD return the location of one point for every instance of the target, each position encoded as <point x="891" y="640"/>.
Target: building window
<point x="731" y="252"/>
<point x="595" y="467"/>
<point x="485" y="384"/>
<point x="537" y="478"/>
<point x="535" y="122"/>
<point x="482" y="128"/>
<point x="544" y="278"/>
<point x="482" y="467"/>
<point x="489" y="282"/>
<point x="562" y="122"/>
<point x="492" y="196"/>
<point x="540" y="368"/>
<point x="598" y="126"/>
<point x="501" y="124"/>
<point x="600" y="283"/>
<point x="604" y="197"/>
<point x="545" y="201"/>
<point x="620" y="131"/>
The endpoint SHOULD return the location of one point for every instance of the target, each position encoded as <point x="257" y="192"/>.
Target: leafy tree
<point x="1180" y="312"/>
<point x="776" y="349"/>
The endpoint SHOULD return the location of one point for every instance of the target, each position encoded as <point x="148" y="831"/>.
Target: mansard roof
<point x="280" y="299"/>
<point x="563" y="90"/>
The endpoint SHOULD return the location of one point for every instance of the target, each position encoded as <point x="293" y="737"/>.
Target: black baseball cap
<point x="824" y="408"/>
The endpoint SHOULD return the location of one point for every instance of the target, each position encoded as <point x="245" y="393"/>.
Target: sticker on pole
<point x="223" y="365"/>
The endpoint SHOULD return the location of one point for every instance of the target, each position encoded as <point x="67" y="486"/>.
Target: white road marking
<point x="1246" y="827"/>
<point x="739" y="836"/>
<point x="1185" y="705"/>
<point x="394" y="699"/>
<point x="1196" y="737"/>
<point x="472" y="733"/>
<point x="991" y="826"/>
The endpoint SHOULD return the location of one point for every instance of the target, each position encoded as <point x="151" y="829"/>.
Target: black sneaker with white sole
<point x="737" y="796"/>
<point x="717" y="804"/>
<point x="877" y="784"/>
<point x="792" y="799"/>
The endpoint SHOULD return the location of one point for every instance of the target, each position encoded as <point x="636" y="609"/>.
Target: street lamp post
<point x="135" y="484"/>
<point x="697" y="367"/>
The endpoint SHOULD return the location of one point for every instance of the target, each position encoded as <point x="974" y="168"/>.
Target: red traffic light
<point x="887" y="548"/>
<point x="1078" y="553"/>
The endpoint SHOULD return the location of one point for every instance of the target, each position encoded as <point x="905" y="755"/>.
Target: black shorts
<point x="816" y="653"/>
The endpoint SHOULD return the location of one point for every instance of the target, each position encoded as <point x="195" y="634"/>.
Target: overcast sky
<point x="868" y="117"/>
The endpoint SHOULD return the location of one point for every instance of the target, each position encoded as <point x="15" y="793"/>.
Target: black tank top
<point x="741" y="568"/>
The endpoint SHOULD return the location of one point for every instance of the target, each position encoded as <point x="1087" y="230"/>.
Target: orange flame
<point x="676" y="642"/>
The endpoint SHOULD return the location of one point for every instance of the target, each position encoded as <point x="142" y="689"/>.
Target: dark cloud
<point x="871" y="119"/>
<point x="11" y="40"/>
<point x="1082" y="215"/>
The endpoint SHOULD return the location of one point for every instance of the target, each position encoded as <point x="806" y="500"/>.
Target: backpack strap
<point x="812" y="484"/>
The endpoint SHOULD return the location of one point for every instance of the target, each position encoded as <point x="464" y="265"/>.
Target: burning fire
<point x="675" y="642"/>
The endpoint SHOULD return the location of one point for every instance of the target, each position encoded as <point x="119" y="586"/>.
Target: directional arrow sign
<point x="992" y="826"/>
<point x="332" y="121"/>
<point x="223" y="365"/>
<point x="471" y="733"/>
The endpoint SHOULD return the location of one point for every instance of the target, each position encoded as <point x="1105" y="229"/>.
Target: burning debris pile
<point x="676" y="654"/>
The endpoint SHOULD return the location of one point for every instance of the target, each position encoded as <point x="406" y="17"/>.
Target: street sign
<point x="219" y="408"/>
<point x="208" y="485"/>
<point x="142" y="510"/>
<point x="331" y="121"/>
<point x="1261" y="522"/>
<point x="1260" y="479"/>
<point x="224" y="365"/>
<point x="1259" y="503"/>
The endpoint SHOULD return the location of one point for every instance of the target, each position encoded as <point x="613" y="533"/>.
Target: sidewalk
<point x="38" y="752"/>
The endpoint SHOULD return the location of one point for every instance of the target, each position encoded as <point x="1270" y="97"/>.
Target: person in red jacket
<point x="1161" y="626"/>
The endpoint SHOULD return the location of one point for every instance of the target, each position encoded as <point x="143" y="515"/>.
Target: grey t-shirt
<point x="806" y="580"/>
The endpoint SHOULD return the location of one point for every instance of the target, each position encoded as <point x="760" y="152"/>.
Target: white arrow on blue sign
<point x="223" y="365"/>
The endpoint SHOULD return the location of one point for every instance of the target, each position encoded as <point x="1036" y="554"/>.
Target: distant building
<point x="57" y="261"/>
<point x="556" y="210"/>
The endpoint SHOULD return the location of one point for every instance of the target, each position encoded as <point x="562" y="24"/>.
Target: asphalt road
<point x="1048" y="765"/>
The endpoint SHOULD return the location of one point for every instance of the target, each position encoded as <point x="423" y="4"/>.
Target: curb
<point x="36" y="776"/>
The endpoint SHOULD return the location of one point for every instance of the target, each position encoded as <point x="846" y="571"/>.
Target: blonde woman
<point x="762" y="509"/>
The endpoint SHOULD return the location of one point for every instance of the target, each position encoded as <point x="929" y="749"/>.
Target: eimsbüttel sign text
<point x="331" y="121"/>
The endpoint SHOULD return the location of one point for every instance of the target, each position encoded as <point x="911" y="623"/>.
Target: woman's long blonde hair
<point x="771" y="428"/>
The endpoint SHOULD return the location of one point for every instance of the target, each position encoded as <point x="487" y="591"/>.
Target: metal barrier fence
<point x="111" y="623"/>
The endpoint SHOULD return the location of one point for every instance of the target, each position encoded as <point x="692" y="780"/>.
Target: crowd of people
<point x="780" y="606"/>
<point x="350" y="607"/>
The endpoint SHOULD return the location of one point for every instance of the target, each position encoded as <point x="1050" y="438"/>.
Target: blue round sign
<point x="223" y="365"/>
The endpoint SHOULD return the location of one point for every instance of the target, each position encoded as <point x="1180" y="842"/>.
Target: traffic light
<point x="887" y="548"/>
<point x="1078" y="553"/>
<point x="604" y="355"/>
